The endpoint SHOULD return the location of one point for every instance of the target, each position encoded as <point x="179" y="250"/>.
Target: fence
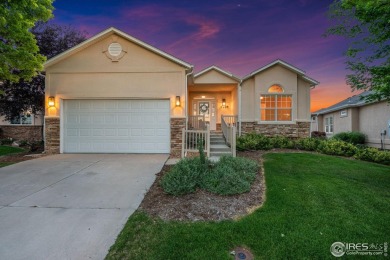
<point x="196" y="122"/>
<point x="192" y="140"/>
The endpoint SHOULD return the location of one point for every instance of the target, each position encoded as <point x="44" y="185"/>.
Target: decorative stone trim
<point x="298" y="130"/>
<point x="177" y="125"/>
<point x="52" y="135"/>
<point x="29" y="133"/>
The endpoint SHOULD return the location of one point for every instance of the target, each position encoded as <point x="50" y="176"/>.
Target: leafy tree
<point x="367" y="24"/>
<point x="28" y="96"/>
<point x="19" y="53"/>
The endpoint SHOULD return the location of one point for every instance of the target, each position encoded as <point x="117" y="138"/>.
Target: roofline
<point x="326" y="111"/>
<point x="64" y="54"/>
<point x="230" y="75"/>
<point x="278" y="61"/>
<point x="310" y="80"/>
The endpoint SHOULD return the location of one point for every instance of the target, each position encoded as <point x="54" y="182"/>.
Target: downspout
<point x="186" y="95"/>
<point x="239" y="108"/>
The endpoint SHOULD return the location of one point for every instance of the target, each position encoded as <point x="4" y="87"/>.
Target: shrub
<point x="184" y="177"/>
<point x="351" y="137"/>
<point x="318" y="134"/>
<point x="336" y="147"/>
<point x="308" y="144"/>
<point x="373" y="155"/>
<point x="253" y="141"/>
<point x="282" y="142"/>
<point x="6" y="141"/>
<point x="231" y="176"/>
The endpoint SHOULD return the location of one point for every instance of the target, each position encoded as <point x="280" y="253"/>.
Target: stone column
<point x="52" y="135"/>
<point x="177" y="124"/>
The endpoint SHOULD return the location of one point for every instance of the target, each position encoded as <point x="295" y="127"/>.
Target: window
<point x="22" y="120"/>
<point x="275" y="107"/>
<point x="329" y="124"/>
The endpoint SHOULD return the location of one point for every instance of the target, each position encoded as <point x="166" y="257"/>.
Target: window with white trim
<point x="329" y="124"/>
<point x="276" y="106"/>
<point x="22" y="120"/>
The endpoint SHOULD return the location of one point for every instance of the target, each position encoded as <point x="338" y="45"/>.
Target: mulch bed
<point x="203" y="205"/>
<point x="20" y="157"/>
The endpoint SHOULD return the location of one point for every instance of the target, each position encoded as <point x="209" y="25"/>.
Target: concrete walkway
<point x="71" y="206"/>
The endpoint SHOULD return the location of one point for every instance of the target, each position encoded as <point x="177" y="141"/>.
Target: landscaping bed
<point x="10" y="155"/>
<point x="203" y="205"/>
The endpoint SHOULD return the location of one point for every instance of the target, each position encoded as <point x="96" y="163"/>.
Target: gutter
<point x="239" y="107"/>
<point x="186" y="95"/>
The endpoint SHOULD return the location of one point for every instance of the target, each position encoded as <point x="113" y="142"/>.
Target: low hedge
<point x="226" y="177"/>
<point x="334" y="146"/>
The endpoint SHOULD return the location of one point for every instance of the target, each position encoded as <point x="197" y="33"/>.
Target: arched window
<point x="275" y="106"/>
<point x="275" y="89"/>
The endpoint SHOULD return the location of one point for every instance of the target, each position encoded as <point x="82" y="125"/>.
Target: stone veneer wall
<point x="177" y="125"/>
<point x="298" y="130"/>
<point x="52" y="135"/>
<point x="29" y="133"/>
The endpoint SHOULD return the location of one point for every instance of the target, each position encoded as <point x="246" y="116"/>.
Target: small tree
<point x="366" y="22"/>
<point x="28" y="95"/>
<point x="19" y="53"/>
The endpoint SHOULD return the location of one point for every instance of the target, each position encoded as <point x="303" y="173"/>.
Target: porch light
<point x="51" y="102"/>
<point x="178" y="103"/>
<point x="223" y="103"/>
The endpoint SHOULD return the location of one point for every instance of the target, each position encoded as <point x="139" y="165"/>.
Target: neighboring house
<point x="116" y="94"/>
<point x="26" y="127"/>
<point x="354" y="114"/>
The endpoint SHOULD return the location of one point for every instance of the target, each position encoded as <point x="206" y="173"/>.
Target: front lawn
<point x="6" y="150"/>
<point x="312" y="201"/>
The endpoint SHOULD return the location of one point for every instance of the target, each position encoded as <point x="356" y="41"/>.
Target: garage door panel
<point x="116" y="126"/>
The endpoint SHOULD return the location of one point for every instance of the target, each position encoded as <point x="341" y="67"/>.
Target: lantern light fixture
<point x="177" y="102"/>
<point x="51" y="101"/>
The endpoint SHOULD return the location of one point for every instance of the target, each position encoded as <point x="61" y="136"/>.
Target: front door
<point x="207" y="108"/>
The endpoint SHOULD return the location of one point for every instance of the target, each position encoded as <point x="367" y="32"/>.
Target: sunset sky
<point x="238" y="36"/>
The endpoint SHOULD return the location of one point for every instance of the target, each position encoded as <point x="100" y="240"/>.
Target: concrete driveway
<point x="71" y="206"/>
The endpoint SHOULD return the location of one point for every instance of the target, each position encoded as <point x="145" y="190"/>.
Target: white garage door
<point x="116" y="126"/>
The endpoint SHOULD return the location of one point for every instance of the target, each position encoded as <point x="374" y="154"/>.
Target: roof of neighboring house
<point x="109" y="31"/>
<point x="300" y="72"/>
<point x="354" y="101"/>
<point x="224" y="72"/>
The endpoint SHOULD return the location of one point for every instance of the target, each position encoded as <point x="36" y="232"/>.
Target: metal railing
<point x="229" y="131"/>
<point x="196" y="122"/>
<point x="192" y="140"/>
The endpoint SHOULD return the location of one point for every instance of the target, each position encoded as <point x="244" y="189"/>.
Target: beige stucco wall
<point x="214" y="77"/>
<point x="372" y="120"/>
<point x="140" y="73"/>
<point x="259" y="84"/>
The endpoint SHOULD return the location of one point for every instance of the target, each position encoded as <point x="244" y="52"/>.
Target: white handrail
<point x="197" y="122"/>
<point x="229" y="131"/>
<point x="191" y="139"/>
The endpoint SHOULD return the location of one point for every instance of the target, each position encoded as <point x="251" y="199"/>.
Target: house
<point x="27" y="127"/>
<point x="116" y="94"/>
<point x="355" y="114"/>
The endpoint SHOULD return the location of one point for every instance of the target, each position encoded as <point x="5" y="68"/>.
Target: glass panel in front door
<point x="204" y="109"/>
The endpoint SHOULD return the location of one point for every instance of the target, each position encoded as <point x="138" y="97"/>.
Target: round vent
<point x="115" y="49"/>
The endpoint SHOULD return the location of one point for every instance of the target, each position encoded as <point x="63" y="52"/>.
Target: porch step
<point x="219" y="154"/>
<point x="219" y="148"/>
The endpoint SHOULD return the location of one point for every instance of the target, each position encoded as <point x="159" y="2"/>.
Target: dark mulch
<point x="20" y="157"/>
<point x="203" y="205"/>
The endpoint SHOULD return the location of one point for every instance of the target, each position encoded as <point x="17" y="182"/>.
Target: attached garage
<point x="116" y="126"/>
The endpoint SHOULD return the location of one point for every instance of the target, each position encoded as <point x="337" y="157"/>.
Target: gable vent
<point x="115" y="49"/>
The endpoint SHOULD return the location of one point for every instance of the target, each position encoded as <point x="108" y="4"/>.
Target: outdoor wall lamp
<point x="224" y="103"/>
<point x="178" y="103"/>
<point x="51" y="102"/>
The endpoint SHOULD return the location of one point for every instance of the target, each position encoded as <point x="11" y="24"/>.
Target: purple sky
<point x="238" y="36"/>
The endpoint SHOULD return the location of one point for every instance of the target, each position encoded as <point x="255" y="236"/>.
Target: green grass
<point x="312" y="201"/>
<point x="3" y="164"/>
<point x="6" y="150"/>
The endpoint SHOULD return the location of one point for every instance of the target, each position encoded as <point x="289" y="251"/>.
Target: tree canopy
<point x="367" y="24"/>
<point x="27" y="96"/>
<point x="19" y="53"/>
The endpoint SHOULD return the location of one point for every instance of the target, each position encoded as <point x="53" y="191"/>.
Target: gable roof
<point x="286" y="65"/>
<point x="126" y="36"/>
<point x="224" y="72"/>
<point x="354" y="101"/>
